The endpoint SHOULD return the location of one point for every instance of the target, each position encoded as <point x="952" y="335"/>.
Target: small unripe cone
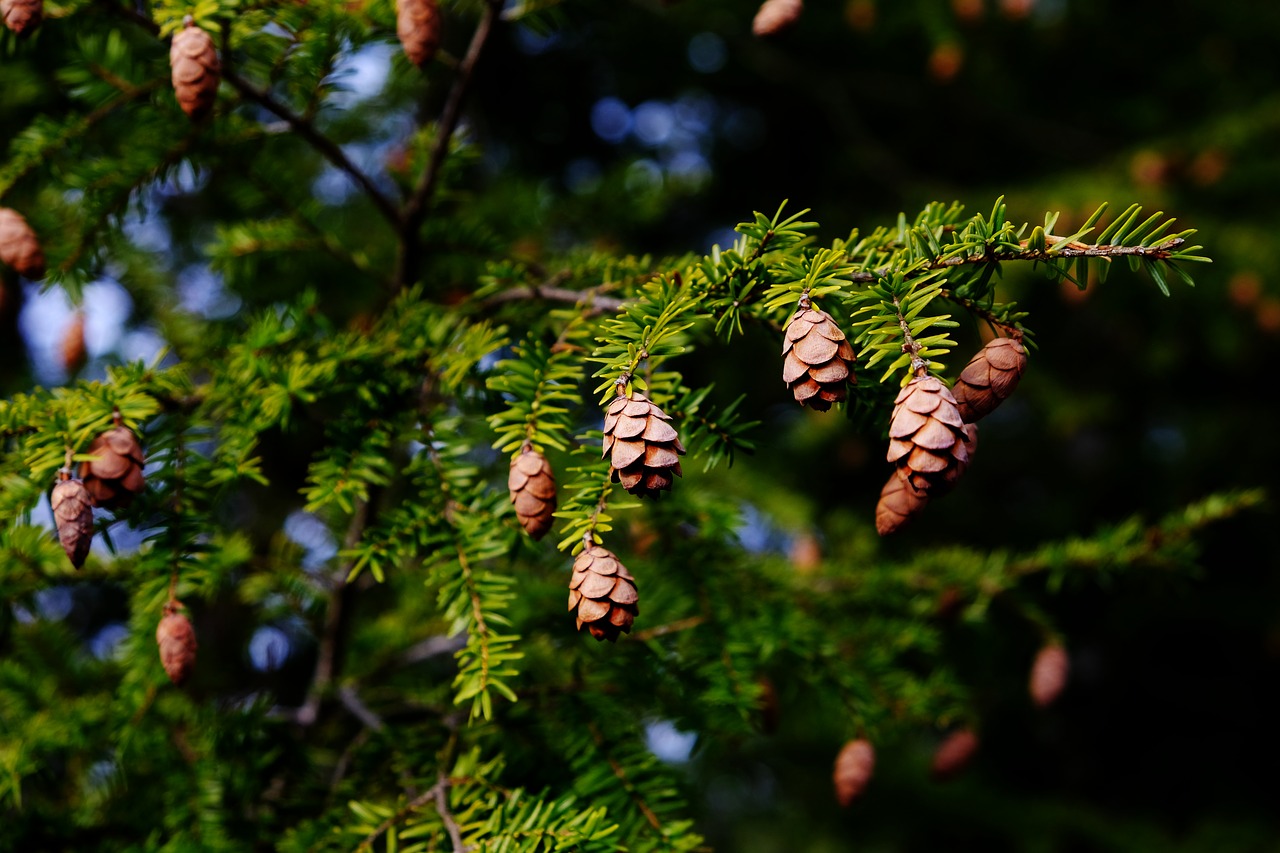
<point x="854" y="765"/>
<point x="642" y="447"/>
<point x="196" y="70"/>
<point x="954" y="754"/>
<point x="602" y="594"/>
<point x="22" y="16"/>
<point x="817" y="360"/>
<point x="928" y="441"/>
<point x="74" y="354"/>
<point x="989" y="377"/>
<point x="774" y="16"/>
<point x="418" y="26"/>
<point x="116" y="475"/>
<point x="532" y="487"/>
<point x="19" y="245"/>
<point x="177" y="641"/>
<point x="73" y="517"/>
<point x="899" y="503"/>
<point x="1049" y="675"/>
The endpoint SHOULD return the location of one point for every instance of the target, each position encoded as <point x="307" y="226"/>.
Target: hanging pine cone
<point x="603" y="594"/>
<point x="642" y="447"/>
<point x="73" y="517"/>
<point x="954" y="754"/>
<point x="854" y="766"/>
<point x="19" y="245"/>
<point x="1048" y="675"/>
<point x="817" y="360"/>
<point x="177" y="641"/>
<point x="532" y="487"/>
<point x="989" y="377"/>
<point x="775" y="16"/>
<point x="196" y="70"/>
<point x="74" y="354"/>
<point x="927" y="437"/>
<point x="22" y="16"/>
<point x="899" y="503"/>
<point x="418" y="26"/>
<point x="116" y="475"/>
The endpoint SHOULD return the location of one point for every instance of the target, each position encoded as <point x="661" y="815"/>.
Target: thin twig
<point x="669" y="628"/>
<point x="436" y="794"/>
<point x="446" y="816"/>
<point x="352" y="702"/>
<point x="594" y="302"/>
<point x="415" y="209"/>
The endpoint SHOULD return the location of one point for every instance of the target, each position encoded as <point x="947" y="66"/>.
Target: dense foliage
<point x="367" y="286"/>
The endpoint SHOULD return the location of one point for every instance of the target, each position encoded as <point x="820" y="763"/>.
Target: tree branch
<point x="591" y="298"/>
<point x="317" y="140"/>
<point x="415" y="209"/>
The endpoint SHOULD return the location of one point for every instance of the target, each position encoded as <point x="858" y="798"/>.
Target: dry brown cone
<point x="989" y="377"/>
<point x="22" y="16"/>
<point x="1049" y="675"/>
<point x="74" y="354"/>
<point x="177" y="641"/>
<point x="602" y="594"/>
<point x="854" y="765"/>
<point x="899" y="503"/>
<point x="418" y="26"/>
<point x="532" y="487"/>
<point x="954" y="754"/>
<point x="115" y="476"/>
<point x="73" y="517"/>
<point x="642" y="447"/>
<point x="775" y="16"/>
<point x="19" y="245"/>
<point x="196" y="70"/>
<point x="817" y="360"/>
<point x="928" y="441"/>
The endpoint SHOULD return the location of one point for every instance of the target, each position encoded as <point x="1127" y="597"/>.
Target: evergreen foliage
<point x="396" y="346"/>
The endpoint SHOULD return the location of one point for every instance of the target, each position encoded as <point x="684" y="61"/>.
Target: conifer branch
<point x="591" y="299"/>
<point x="416" y="208"/>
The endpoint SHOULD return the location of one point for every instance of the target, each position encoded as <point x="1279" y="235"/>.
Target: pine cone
<point x="954" y="754"/>
<point x="116" y="475"/>
<point x="74" y="354"/>
<point x="854" y="766"/>
<point x="418" y="26"/>
<point x="533" y="490"/>
<point x="899" y="503"/>
<point x="817" y="360"/>
<point x="19" y="245"/>
<point x="177" y="641"/>
<point x="642" y="447"/>
<point x="73" y="516"/>
<point x="775" y="16"/>
<point x="603" y="594"/>
<point x="927" y="437"/>
<point x="196" y="70"/>
<point x="1049" y="675"/>
<point x="989" y="377"/>
<point x="22" y="16"/>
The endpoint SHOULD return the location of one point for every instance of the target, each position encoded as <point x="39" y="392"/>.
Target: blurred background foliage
<point x="645" y="127"/>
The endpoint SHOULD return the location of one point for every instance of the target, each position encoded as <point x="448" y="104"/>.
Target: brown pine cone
<point x="74" y="354"/>
<point x="854" y="766"/>
<point x="774" y="16"/>
<point x="954" y="754"/>
<point x="603" y="594"/>
<point x="989" y="377"/>
<point x="22" y="16"/>
<point x="642" y="447"/>
<point x="196" y="70"/>
<point x="927" y="438"/>
<point x="1049" y="675"/>
<point x="73" y="517"/>
<point x="19" y="245"/>
<point x="177" y="641"/>
<point x="418" y="26"/>
<point x="116" y="475"/>
<point x="532" y="487"/>
<point x="899" y="503"/>
<point x="817" y="360"/>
